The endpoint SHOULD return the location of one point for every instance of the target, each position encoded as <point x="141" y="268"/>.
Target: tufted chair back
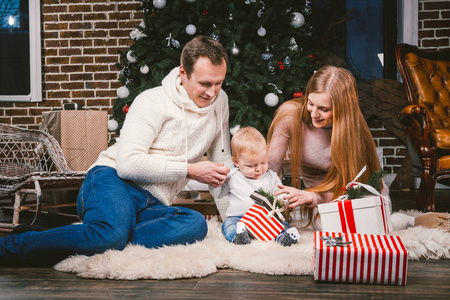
<point x="430" y="85"/>
<point x="427" y="118"/>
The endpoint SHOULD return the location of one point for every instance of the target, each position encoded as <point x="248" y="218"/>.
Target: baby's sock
<point x="289" y="237"/>
<point x="242" y="236"/>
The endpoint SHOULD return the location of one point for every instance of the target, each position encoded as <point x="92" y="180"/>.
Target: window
<point x="362" y="34"/>
<point x="20" y="53"/>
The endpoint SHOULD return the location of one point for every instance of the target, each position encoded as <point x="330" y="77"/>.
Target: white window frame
<point x="408" y="21"/>
<point x="35" y="94"/>
<point x="407" y="24"/>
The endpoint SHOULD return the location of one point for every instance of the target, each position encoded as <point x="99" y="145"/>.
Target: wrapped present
<point x="264" y="219"/>
<point x="359" y="258"/>
<point x="82" y="134"/>
<point x="370" y="214"/>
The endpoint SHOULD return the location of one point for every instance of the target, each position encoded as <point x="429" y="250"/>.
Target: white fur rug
<point x="215" y="252"/>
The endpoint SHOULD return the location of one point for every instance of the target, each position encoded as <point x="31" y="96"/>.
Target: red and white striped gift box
<point x="370" y="215"/>
<point x="373" y="259"/>
<point x="261" y="225"/>
<point x="212" y="217"/>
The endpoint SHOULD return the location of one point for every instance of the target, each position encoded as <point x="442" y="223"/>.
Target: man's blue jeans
<point x="114" y="212"/>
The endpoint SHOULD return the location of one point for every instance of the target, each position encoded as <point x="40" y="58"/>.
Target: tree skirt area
<point x="215" y="252"/>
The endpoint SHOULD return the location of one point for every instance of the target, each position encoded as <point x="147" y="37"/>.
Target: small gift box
<point x="263" y="220"/>
<point x="359" y="258"/>
<point x="371" y="214"/>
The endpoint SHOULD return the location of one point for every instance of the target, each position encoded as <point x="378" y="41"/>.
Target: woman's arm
<point x="295" y="196"/>
<point x="281" y="136"/>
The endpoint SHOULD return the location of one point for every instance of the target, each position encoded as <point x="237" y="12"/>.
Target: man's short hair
<point x="202" y="46"/>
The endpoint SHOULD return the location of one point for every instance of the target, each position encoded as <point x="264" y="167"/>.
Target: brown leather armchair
<point x="427" y="117"/>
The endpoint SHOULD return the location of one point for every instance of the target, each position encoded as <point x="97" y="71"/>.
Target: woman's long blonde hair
<point x="352" y="144"/>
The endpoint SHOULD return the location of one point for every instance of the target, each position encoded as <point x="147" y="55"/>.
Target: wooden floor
<point x="426" y="279"/>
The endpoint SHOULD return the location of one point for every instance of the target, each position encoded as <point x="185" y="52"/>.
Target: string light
<point x="11" y="21"/>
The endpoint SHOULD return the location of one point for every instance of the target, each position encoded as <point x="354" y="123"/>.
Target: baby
<point x="249" y="152"/>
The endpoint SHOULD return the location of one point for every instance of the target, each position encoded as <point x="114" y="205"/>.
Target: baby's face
<point x="254" y="166"/>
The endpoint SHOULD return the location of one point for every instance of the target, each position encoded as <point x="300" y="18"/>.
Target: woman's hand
<point x="295" y="196"/>
<point x="208" y="172"/>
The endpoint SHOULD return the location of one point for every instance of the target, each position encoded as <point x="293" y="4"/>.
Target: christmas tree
<point x="268" y="43"/>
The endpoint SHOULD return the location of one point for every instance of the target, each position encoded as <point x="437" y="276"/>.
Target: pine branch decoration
<point x="279" y="203"/>
<point x="374" y="181"/>
<point x="271" y="197"/>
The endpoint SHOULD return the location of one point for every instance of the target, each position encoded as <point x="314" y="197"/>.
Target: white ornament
<point x="144" y="69"/>
<point x="297" y="20"/>
<point x="293" y="45"/>
<point x="113" y="125"/>
<point x="137" y="34"/>
<point x="123" y="92"/>
<point x="130" y="57"/>
<point x="234" y="129"/>
<point x="271" y="99"/>
<point x="235" y="50"/>
<point x="262" y="31"/>
<point x="159" y="3"/>
<point x="191" y="29"/>
<point x="190" y="1"/>
<point x="261" y="12"/>
<point x="175" y="44"/>
<point x="172" y="43"/>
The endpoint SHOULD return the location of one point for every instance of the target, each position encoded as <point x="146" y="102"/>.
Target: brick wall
<point x="80" y="43"/>
<point x="434" y="24"/>
<point x="393" y="149"/>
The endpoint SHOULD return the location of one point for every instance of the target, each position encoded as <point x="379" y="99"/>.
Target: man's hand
<point x="208" y="172"/>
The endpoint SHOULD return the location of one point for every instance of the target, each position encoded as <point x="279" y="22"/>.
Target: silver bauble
<point x="235" y="51"/>
<point x="271" y="99"/>
<point x="191" y="29"/>
<point x="297" y="20"/>
<point x="262" y="31"/>
<point x="159" y="4"/>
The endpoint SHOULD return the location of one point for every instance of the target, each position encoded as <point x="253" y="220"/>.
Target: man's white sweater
<point x="164" y="130"/>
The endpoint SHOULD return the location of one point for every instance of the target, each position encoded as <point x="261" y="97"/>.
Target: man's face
<point x="205" y="81"/>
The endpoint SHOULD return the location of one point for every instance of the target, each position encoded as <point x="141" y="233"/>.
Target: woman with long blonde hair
<point x="328" y="139"/>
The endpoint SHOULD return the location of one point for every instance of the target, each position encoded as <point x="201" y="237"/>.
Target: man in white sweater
<point x="127" y="194"/>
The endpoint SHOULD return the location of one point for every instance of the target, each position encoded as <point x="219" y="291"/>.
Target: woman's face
<point x="319" y="106"/>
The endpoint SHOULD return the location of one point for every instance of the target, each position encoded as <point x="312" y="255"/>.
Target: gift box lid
<point x="366" y="202"/>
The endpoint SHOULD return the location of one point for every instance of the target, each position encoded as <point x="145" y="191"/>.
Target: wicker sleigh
<point x="32" y="162"/>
